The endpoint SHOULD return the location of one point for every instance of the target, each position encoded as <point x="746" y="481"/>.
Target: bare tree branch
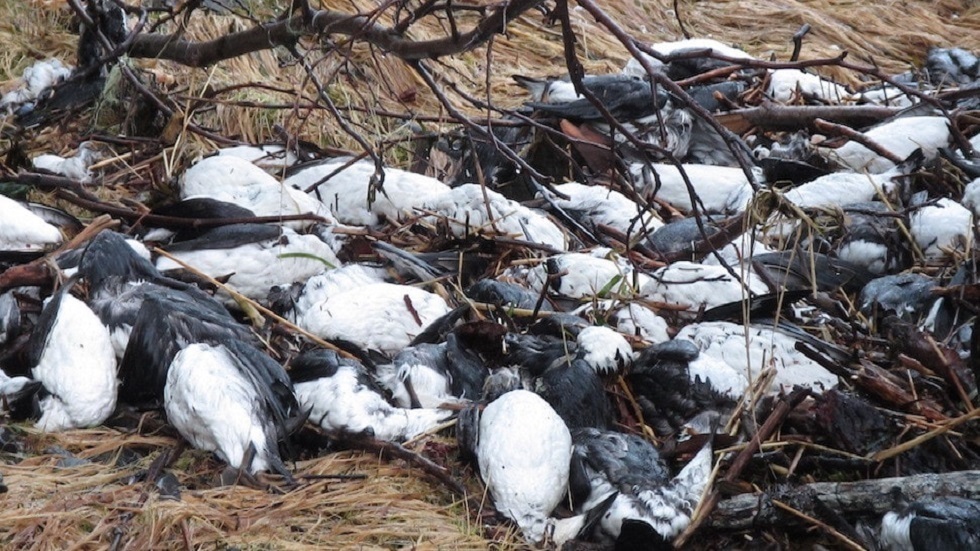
<point x="287" y="31"/>
<point x="863" y="497"/>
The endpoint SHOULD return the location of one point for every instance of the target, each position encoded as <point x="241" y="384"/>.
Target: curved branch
<point x="287" y="31"/>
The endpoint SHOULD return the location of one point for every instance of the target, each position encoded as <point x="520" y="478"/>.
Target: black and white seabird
<point x="616" y="487"/>
<point x="120" y="279"/>
<point x="604" y="461"/>
<point x="72" y="357"/>
<point x="900" y="136"/>
<point x="907" y="295"/>
<point x="344" y="401"/>
<point x="678" y="69"/>
<point x="870" y="238"/>
<point x="253" y="257"/>
<point x="235" y="180"/>
<point x="234" y="400"/>
<point x="750" y="349"/>
<point x="524" y="450"/>
<point x="22" y="231"/>
<point x="418" y="376"/>
<point x="673" y="382"/>
<point x="948" y="523"/>
<point x="344" y="188"/>
<point x="167" y="322"/>
<point x="639" y="105"/>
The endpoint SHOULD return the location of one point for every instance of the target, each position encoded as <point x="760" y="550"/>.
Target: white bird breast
<point x="321" y="287"/>
<point x="720" y="189"/>
<point x="943" y="227"/>
<point x="784" y="83"/>
<point x="638" y="320"/>
<point x="586" y="276"/>
<point x="700" y="285"/>
<point x="901" y="136"/>
<point x="37" y="78"/>
<point x="841" y="189"/>
<point x="341" y="404"/>
<point x="605" y="206"/>
<point x="235" y="180"/>
<point x="635" y="68"/>
<point x="345" y="194"/>
<point x="78" y="368"/>
<point x="727" y="342"/>
<point x="266" y="157"/>
<point x="256" y="267"/>
<point x="375" y="316"/>
<point x="214" y="407"/>
<point x="971" y="197"/>
<point x="466" y="210"/>
<point x="604" y="349"/>
<point x="524" y="453"/>
<point x="22" y="230"/>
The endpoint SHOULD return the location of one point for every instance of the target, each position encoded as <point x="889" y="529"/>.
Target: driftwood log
<point x="849" y="499"/>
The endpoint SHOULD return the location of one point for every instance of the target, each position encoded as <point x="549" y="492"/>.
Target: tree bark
<point x="850" y="499"/>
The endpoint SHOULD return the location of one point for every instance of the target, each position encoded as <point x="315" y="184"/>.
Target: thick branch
<point x="287" y="31"/>
<point x="773" y="116"/>
<point x="850" y="499"/>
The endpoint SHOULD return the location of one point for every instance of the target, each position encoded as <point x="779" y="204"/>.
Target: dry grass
<point x="90" y="506"/>
<point x="895" y="35"/>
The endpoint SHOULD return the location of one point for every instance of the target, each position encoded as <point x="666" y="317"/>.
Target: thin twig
<point x="820" y="524"/>
<point x="906" y="446"/>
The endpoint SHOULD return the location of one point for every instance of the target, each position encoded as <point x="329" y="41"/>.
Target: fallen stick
<point x="773" y="116"/>
<point x="851" y="499"/>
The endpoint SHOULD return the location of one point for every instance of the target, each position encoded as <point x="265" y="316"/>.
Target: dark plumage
<point x="604" y="460"/>
<point x="798" y="269"/>
<point x="535" y="352"/>
<point x="167" y="322"/>
<point x="949" y="523"/>
<point x="871" y="238"/>
<point x="693" y="238"/>
<point x="228" y="237"/>
<point x="626" y="98"/>
<point x="202" y="207"/>
<point x="576" y="393"/>
<point x="505" y="294"/>
<point x="665" y="390"/>
<point x="906" y="295"/>
<point x="467" y="370"/>
<point x="108" y="256"/>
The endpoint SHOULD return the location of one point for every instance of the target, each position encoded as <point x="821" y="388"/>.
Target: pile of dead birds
<point x="640" y="299"/>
